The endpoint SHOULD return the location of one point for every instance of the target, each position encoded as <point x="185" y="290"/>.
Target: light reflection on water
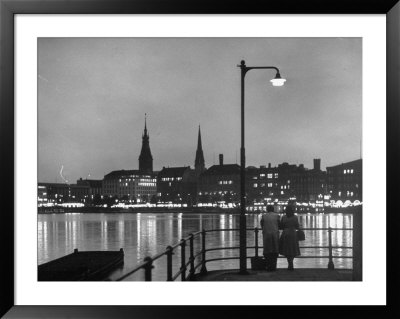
<point x="142" y="235"/>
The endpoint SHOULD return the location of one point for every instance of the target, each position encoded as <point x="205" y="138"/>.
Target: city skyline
<point x="94" y="93"/>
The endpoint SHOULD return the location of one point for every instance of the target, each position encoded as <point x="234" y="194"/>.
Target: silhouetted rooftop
<point x="173" y="171"/>
<point x="355" y="162"/>
<point x="121" y="173"/>
<point x="227" y="169"/>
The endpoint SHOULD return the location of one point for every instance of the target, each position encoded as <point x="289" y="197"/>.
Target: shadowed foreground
<point x="301" y="274"/>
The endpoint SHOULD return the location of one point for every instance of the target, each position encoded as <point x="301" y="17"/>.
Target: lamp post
<point x="277" y="81"/>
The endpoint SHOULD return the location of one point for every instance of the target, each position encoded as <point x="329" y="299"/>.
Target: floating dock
<point x="81" y="266"/>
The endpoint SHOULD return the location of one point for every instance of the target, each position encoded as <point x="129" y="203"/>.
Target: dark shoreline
<point x="164" y="210"/>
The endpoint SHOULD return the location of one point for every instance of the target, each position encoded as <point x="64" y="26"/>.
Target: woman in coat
<point x="288" y="243"/>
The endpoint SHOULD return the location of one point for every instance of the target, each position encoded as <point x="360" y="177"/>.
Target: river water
<point x="147" y="234"/>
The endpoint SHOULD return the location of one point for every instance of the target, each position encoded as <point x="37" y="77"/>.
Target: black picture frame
<point x="8" y="10"/>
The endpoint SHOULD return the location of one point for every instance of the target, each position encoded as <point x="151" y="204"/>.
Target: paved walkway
<point x="300" y="274"/>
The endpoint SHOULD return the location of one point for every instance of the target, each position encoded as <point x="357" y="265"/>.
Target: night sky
<point x="94" y="93"/>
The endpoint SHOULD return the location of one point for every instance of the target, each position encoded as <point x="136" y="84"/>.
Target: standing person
<point x="288" y="243"/>
<point x="270" y="228"/>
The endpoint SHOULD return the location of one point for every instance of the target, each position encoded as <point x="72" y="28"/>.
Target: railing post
<point x="147" y="268"/>
<point x="192" y="270"/>
<point x="256" y="240"/>
<point x="331" y="266"/>
<point x="357" y="244"/>
<point x="169" y="263"/>
<point x="183" y="260"/>
<point x="203" y="269"/>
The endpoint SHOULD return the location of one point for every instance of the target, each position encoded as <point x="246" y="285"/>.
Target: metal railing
<point x="188" y="267"/>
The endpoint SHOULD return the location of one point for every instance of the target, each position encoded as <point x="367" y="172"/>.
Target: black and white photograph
<point x="199" y="159"/>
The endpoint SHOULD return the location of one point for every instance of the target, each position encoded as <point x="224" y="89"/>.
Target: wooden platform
<point x="301" y="274"/>
<point x="81" y="266"/>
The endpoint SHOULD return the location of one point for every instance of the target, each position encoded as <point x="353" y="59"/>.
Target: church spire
<point x="145" y="124"/>
<point x="199" y="164"/>
<point x="199" y="140"/>
<point x="145" y="158"/>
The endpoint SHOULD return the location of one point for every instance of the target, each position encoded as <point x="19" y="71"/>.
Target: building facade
<point x="133" y="186"/>
<point x="130" y="185"/>
<point x="310" y="188"/>
<point x="176" y="185"/>
<point x="345" y="181"/>
<point x="286" y="183"/>
<point x="272" y="184"/>
<point x="262" y="184"/>
<point x="59" y="193"/>
<point x="220" y="183"/>
<point x="95" y="188"/>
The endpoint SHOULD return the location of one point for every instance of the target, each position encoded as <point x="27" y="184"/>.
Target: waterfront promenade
<point x="200" y="243"/>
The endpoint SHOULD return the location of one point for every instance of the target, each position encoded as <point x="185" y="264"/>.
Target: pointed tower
<point x="145" y="158"/>
<point x="199" y="165"/>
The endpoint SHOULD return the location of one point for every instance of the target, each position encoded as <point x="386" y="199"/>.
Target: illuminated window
<point x="281" y="192"/>
<point x="351" y="171"/>
<point x="344" y="172"/>
<point x="262" y="175"/>
<point x="276" y="175"/>
<point x="255" y="185"/>
<point x="269" y="184"/>
<point x="269" y="175"/>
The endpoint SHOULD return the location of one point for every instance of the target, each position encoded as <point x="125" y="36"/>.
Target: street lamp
<point x="277" y="81"/>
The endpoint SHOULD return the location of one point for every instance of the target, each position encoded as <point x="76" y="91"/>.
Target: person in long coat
<point x="270" y="229"/>
<point x="288" y="243"/>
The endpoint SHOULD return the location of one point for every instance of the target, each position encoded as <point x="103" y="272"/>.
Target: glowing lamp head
<point x="278" y="81"/>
